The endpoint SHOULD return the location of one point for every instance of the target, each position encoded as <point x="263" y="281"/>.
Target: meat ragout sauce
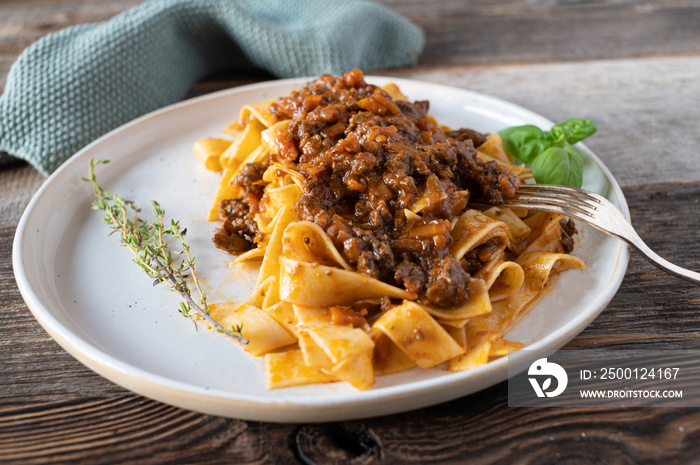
<point x="365" y="159"/>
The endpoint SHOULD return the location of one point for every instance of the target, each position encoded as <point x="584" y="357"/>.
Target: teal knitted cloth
<point x="75" y="85"/>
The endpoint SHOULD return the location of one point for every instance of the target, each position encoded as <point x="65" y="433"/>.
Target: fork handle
<point x="660" y="262"/>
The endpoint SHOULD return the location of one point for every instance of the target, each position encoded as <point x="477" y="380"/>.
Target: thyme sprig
<point x="148" y="242"/>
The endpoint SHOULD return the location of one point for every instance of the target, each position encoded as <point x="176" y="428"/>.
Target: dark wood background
<point x="632" y="66"/>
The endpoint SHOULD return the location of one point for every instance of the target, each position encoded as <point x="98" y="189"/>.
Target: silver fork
<point x="597" y="211"/>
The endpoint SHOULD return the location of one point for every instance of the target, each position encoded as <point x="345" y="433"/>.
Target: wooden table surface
<point x="631" y="66"/>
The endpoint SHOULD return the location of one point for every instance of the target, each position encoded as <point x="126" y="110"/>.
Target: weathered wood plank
<point x="480" y="429"/>
<point x="458" y="32"/>
<point x="542" y="31"/>
<point x="22" y="23"/>
<point x="18" y="183"/>
<point x="129" y="429"/>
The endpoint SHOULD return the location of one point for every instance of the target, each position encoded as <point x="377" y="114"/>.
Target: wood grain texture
<point x="476" y="429"/>
<point x="458" y="32"/>
<point x="18" y="183"/>
<point x="521" y="31"/>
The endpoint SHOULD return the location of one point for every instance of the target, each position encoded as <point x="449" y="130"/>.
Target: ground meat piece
<point x="418" y="109"/>
<point x="367" y="265"/>
<point x="491" y="182"/>
<point x="352" y="249"/>
<point x="239" y="231"/>
<point x="470" y="262"/>
<point x="250" y="178"/>
<point x="463" y="134"/>
<point x="316" y="202"/>
<point x="410" y="276"/>
<point x="568" y="230"/>
<point x="447" y="285"/>
<point x="487" y="251"/>
<point x="381" y="253"/>
<point x="339" y="232"/>
<point x="232" y="209"/>
<point x="228" y="239"/>
<point x="475" y="259"/>
<point x="384" y="257"/>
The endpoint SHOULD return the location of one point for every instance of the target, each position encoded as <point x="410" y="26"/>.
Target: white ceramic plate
<point x="88" y="295"/>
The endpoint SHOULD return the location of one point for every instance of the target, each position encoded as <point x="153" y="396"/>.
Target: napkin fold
<point x="73" y="86"/>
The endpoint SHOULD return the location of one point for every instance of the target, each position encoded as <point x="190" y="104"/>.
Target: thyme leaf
<point x="152" y="252"/>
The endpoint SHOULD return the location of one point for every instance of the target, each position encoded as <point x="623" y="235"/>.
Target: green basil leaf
<point x="572" y="130"/>
<point x="558" y="134"/>
<point x="525" y="143"/>
<point x="556" y="165"/>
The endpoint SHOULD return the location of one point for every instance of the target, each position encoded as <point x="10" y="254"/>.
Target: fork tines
<point x="569" y="201"/>
<point x="571" y="192"/>
<point x="595" y="210"/>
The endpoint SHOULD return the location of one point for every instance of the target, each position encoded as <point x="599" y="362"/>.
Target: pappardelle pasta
<point x="380" y="234"/>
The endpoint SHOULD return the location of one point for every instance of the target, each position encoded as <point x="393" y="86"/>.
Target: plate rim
<point x="131" y="377"/>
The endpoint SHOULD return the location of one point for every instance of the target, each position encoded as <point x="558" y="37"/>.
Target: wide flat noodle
<point x="270" y="265"/>
<point x="477" y="351"/>
<point x="503" y="279"/>
<point x="252" y="254"/>
<point x="282" y="196"/>
<point x="209" y="150"/>
<point x="257" y="297"/>
<point x="493" y="147"/>
<point x="458" y="334"/>
<point x="501" y="347"/>
<point x="308" y="317"/>
<point x="249" y="141"/>
<point x="277" y="169"/>
<point x="356" y="370"/>
<point x="317" y="285"/>
<point x="388" y="358"/>
<point x="395" y="93"/>
<point x="516" y="226"/>
<point x="537" y="267"/>
<point x="307" y="242"/>
<point x="418" y="335"/>
<point x="314" y="355"/>
<point x="343" y="351"/>
<point x="481" y="331"/>
<point x="473" y="229"/>
<point x="271" y="135"/>
<point x="547" y="235"/>
<point x="432" y="194"/>
<point x="478" y="303"/>
<point x="262" y="331"/>
<point x="283" y="313"/>
<point x="260" y="111"/>
<point x="224" y="191"/>
<point x="288" y="369"/>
